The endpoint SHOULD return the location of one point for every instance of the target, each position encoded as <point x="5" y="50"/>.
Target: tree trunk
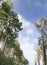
<point x="4" y="45"/>
<point x="44" y="53"/>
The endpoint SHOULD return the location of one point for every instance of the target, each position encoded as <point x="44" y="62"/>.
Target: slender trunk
<point x="35" y="63"/>
<point x="44" y="53"/>
<point x="4" y="45"/>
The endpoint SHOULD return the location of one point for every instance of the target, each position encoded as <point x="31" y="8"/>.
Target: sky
<point x="29" y="11"/>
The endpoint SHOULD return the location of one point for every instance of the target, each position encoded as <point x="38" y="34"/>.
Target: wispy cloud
<point x="38" y="3"/>
<point x="25" y="38"/>
<point x="35" y="2"/>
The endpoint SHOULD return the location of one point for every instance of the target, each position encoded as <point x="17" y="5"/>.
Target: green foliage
<point x="9" y="30"/>
<point x="6" y="7"/>
<point x="5" y="60"/>
<point x="9" y="2"/>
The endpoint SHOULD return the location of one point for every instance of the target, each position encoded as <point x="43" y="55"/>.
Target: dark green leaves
<point x="6" y="7"/>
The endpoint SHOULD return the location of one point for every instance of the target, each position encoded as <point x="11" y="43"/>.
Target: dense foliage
<point x="10" y="52"/>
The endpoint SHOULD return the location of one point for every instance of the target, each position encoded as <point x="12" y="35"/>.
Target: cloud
<point x="27" y="26"/>
<point x="26" y="38"/>
<point x="35" y="2"/>
<point x="28" y="49"/>
<point x="29" y="52"/>
<point x="0" y="45"/>
<point x="26" y="23"/>
<point x="38" y="3"/>
<point x="29" y="31"/>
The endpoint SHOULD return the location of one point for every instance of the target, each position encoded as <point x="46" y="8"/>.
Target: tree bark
<point x="44" y="53"/>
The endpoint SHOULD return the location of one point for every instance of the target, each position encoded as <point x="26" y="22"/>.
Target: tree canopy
<point x="10" y="52"/>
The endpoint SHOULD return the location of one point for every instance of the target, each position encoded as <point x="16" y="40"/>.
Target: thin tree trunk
<point x="4" y="45"/>
<point x="44" y="53"/>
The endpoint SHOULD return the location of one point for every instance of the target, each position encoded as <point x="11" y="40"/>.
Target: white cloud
<point x="25" y="40"/>
<point x="29" y="31"/>
<point x="26" y="23"/>
<point x="27" y="26"/>
<point x="0" y="45"/>
<point x="29" y="52"/>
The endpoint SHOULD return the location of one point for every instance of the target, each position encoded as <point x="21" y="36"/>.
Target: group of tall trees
<point x="42" y="27"/>
<point x="10" y="52"/>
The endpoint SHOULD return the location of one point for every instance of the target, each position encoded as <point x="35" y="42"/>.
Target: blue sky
<point x="29" y="11"/>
